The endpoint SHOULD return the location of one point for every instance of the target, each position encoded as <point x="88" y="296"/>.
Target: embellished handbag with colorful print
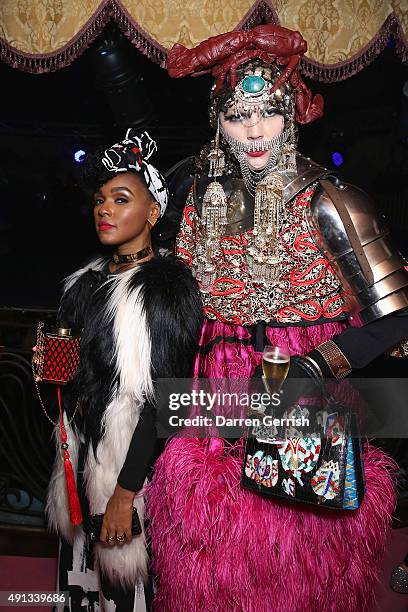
<point x="323" y="468"/>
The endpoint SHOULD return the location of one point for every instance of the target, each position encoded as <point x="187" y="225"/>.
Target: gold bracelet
<point x="336" y="360"/>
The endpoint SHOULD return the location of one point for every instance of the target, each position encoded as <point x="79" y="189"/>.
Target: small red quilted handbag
<point x="57" y="355"/>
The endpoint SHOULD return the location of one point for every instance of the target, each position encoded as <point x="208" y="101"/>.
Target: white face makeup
<point x="256" y="122"/>
<point x="253" y="129"/>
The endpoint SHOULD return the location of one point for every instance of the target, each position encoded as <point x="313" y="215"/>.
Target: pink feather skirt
<point x="217" y="547"/>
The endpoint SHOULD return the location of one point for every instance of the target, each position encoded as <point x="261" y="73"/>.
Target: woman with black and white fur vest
<point x="140" y="318"/>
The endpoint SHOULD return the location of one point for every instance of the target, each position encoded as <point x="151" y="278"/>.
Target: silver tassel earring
<point x="213" y="217"/>
<point x="287" y="158"/>
<point x="216" y="156"/>
<point x="291" y="153"/>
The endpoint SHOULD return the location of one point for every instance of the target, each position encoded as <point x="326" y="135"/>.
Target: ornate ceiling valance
<point x="343" y="35"/>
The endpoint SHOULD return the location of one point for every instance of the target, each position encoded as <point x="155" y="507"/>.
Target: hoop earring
<point x="152" y="223"/>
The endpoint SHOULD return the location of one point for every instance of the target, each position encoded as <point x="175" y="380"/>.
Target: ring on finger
<point x="121" y="538"/>
<point x="110" y="539"/>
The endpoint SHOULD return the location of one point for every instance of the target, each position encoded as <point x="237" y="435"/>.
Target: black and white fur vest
<point x="137" y="326"/>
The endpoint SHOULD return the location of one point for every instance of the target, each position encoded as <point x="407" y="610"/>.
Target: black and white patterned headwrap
<point x="133" y="153"/>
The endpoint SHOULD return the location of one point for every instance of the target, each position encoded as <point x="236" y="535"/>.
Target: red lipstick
<point x="256" y="153"/>
<point x="103" y="226"/>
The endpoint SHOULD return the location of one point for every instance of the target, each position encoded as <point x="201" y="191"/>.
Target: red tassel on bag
<point x="75" y="514"/>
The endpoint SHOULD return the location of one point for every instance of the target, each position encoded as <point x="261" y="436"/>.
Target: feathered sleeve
<point x="74" y="304"/>
<point x="78" y="289"/>
<point x="173" y="309"/>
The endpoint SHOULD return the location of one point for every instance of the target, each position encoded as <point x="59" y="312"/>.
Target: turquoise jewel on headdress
<point x="253" y="84"/>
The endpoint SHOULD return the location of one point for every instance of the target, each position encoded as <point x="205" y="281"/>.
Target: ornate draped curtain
<point x="343" y="35"/>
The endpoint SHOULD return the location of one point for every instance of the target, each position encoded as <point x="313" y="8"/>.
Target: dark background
<point x="45" y="224"/>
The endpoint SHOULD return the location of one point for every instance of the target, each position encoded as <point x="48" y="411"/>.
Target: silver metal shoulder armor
<point x="354" y="238"/>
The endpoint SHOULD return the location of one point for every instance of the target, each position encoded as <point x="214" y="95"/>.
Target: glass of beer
<point x="275" y="366"/>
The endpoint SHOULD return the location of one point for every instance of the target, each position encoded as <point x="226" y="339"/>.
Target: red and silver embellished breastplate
<point x="306" y="290"/>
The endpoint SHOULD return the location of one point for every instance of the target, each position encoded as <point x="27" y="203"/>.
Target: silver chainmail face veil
<point x="239" y="149"/>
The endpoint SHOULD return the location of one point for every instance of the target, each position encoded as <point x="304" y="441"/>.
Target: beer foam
<point x="272" y="359"/>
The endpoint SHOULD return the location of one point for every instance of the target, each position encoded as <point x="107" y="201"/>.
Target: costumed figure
<point x="140" y="318"/>
<point x="252" y="211"/>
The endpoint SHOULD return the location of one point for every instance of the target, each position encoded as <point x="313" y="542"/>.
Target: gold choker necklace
<point x="132" y="257"/>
